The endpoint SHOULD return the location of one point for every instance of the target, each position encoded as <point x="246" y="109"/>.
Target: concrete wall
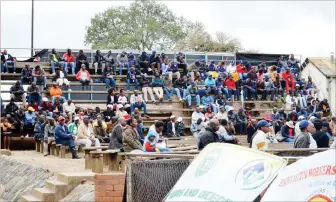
<point x="322" y="83"/>
<point x="18" y="179"/>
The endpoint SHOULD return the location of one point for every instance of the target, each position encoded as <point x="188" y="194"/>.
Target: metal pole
<point x="32" y="30"/>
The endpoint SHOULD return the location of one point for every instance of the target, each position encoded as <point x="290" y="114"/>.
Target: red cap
<point x="61" y="118"/>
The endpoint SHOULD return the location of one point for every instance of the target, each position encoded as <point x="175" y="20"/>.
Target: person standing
<point x="48" y="132"/>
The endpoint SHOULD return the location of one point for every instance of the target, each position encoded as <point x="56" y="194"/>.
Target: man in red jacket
<point x="241" y="70"/>
<point x="231" y="85"/>
<point x="288" y="77"/>
<point x="69" y="59"/>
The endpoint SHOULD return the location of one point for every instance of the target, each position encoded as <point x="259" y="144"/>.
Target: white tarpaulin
<point x="226" y="172"/>
<point x="309" y="179"/>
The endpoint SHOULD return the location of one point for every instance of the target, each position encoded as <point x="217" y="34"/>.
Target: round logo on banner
<point x="253" y="174"/>
<point x="208" y="162"/>
<point x="320" y="198"/>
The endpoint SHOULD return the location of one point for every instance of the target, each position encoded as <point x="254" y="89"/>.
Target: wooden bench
<point x="60" y="150"/>
<point x="105" y="158"/>
<point x="88" y="159"/>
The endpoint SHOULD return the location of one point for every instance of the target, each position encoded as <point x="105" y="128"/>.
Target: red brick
<point x="119" y="187"/>
<point x="122" y="181"/>
<point x="112" y="182"/>
<point x="103" y="176"/>
<point x="103" y="199"/>
<point x="104" y="188"/>
<point x="117" y="199"/>
<point x="97" y="193"/>
<point x="114" y="193"/>
<point x="102" y="182"/>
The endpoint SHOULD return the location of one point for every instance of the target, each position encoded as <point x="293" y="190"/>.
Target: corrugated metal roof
<point x="324" y="65"/>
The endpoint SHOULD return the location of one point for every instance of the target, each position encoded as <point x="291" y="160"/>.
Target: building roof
<point x="325" y="65"/>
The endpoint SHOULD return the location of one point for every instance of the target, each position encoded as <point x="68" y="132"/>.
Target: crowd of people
<point x="212" y="87"/>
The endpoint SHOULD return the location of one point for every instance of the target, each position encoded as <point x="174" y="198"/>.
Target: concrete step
<point x="30" y="198"/>
<point x="60" y="188"/>
<point x="75" y="178"/>
<point x="44" y="193"/>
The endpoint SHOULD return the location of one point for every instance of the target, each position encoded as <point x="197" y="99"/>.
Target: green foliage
<point x="144" y="25"/>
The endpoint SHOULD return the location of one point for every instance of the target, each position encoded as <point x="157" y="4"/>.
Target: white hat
<point x="290" y="124"/>
<point x="76" y="118"/>
<point x="45" y="99"/>
<point x="301" y="117"/>
<point x="172" y="117"/>
<point x="312" y="118"/>
<point x="179" y="119"/>
<point x="110" y="106"/>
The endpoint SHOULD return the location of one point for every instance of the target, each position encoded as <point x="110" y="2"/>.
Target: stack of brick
<point x="109" y="187"/>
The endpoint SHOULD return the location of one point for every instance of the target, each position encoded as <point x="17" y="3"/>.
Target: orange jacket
<point x="57" y="92"/>
<point x="78" y="75"/>
<point x="68" y="58"/>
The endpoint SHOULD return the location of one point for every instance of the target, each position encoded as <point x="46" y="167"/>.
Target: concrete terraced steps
<point x="55" y="190"/>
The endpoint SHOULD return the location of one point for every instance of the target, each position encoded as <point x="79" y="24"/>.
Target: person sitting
<point x="168" y="87"/>
<point x="112" y="99"/>
<point x="288" y="131"/>
<point x="48" y="133"/>
<point x="29" y="119"/>
<point x="56" y="92"/>
<point x="251" y="129"/>
<point x="293" y="63"/>
<point x="57" y="107"/>
<point x="140" y="128"/>
<point x="157" y="83"/>
<point x="223" y="135"/>
<point x="193" y="69"/>
<point x="290" y="100"/>
<point x="171" y="127"/>
<point x="320" y="136"/>
<point x="69" y="59"/>
<point x="193" y="95"/>
<point x="122" y="99"/>
<point x="108" y="77"/>
<point x="116" y="139"/>
<point x="241" y="121"/>
<point x="73" y="128"/>
<point x="180" y="127"/>
<point x="17" y="93"/>
<point x="26" y="74"/>
<point x="130" y="137"/>
<point x="262" y="66"/>
<point x="110" y="61"/>
<point x="207" y="100"/>
<point x="131" y="78"/>
<point x="209" y="114"/>
<point x="99" y="131"/>
<point x="143" y="62"/>
<point x="241" y="70"/>
<point x="179" y="86"/>
<point x="250" y="89"/>
<point x="121" y="113"/>
<point x="173" y="70"/>
<point x="282" y="62"/>
<point x="231" y="86"/>
<point x="164" y="63"/>
<point x="221" y="114"/>
<point x="46" y="106"/>
<point x="137" y="101"/>
<point x="155" y="62"/>
<point x="122" y="61"/>
<point x="33" y="105"/>
<point x="210" y="84"/>
<point x="69" y="109"/>
<point x="144" y="85"/>
<point x="196" y="128"/>
<point x="209" y="135"/>
<point x="81" y="59"/>
<point x="63" y="136"/>
<point x="85" y="134"/>
<point x="98" y="61"/>
<point x="33" y="93"/>
<point x="267" y="88"/>
<point x="39" y="76"/>
<point x="324" y="107"/>
<point x="84" y="77"/>
<point x="6" y="131"/>
<point x="61" y="78"/>
<point x="6" y="60"/>
<point x="221" y="86"/>
<point x="55" y="60"/>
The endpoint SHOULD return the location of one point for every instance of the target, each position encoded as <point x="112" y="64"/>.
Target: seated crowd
<point x="211" y="86"/>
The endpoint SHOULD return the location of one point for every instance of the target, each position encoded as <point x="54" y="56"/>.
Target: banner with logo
<point x="226" y="172"/>
<point x="309" y="179"/>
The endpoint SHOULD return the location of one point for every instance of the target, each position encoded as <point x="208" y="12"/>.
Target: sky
<point x="304" y="28"/>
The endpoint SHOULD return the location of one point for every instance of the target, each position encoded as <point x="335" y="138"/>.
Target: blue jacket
<point x="206" y="100"/>
<point x="157" y="82"/>
<point x="173" y="68"/>
<point x="62" y="136"/>
<point x="209" y="82"/>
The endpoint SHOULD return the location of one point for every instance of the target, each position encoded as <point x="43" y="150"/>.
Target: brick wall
<point x="109" y="187"/>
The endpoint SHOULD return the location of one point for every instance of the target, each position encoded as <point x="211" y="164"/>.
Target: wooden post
<point x="41" y="146"/>
<point x="97" y="162"/>
<point x="53" y="148"/>
<point x="37" y="145"/>
<point x="62" y="152"/>
<point x="123" y="164"/>
<point x="114" y="162"/>
<point x="80" y="148"/>
<point x="87" y="159"/>
<point x="106" y="158"/>
<point x="58" y="149"/>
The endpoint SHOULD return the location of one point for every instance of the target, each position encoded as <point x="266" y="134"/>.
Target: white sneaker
<point x="69" y="89"/>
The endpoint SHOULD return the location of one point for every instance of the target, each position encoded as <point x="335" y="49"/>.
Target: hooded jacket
<point x="116" y="139"/>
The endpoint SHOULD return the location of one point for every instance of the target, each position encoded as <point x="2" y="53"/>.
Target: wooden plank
<point x="184" y="148"/>
<point x="159" y="155"/>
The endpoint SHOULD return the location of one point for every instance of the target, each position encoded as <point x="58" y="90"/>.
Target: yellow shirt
<point x="55" y="58"/>
<point x="235" y="76"/>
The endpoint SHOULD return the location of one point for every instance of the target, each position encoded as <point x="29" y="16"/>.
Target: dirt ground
<point x="52" y="163"/>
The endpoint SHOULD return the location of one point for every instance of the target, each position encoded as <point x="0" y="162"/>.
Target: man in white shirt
<point x="137" y="102"/>
<point x="259" y="140"/>
<point x="69" y="108"/>
<point x="221" y="114"/>
<point x="197" y="114"/>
